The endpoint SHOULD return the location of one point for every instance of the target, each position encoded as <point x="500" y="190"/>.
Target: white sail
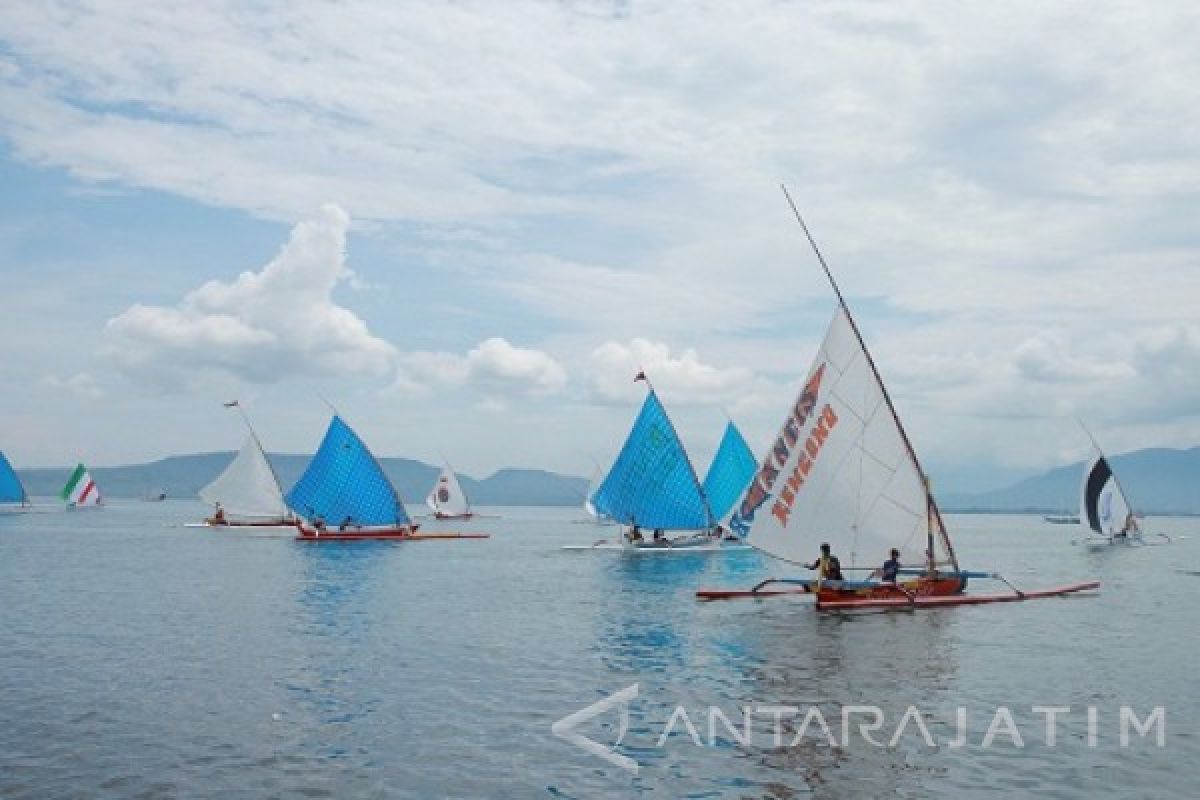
<point x="447" y="496"/>
<point x="1103" y="507"/>
<point x="841" y="471"/>
<point x="593" y="485"/>
<point x="247" y="487"/>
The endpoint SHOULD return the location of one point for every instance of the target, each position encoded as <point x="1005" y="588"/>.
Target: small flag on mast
<point x="641" y="376"/>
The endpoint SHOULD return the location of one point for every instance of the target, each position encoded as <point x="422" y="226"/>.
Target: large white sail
<point x="1103" y="507"/>
<point x="841" y="471"/>
<point x="247" y="487"/>
<point x="447" y="496"/>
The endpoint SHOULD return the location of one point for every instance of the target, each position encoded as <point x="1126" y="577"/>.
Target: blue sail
<point x="730" y="472"/>
<point x="11" y="490"/>
<point x="344" y="482"/>
<point x="652" y="483"/>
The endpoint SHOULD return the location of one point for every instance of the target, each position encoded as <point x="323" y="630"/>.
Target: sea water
<point x="139" y="658"/>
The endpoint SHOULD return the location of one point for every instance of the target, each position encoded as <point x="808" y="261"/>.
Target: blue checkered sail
<point x="345" y="484"/>
<point x="11" y="490"/>
<point x="730" y="472"/>
<point x="652" y="483"/>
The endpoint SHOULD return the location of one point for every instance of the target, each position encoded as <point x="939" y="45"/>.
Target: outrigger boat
<point x="80" y="492"/>
<point x="446" y="499"/>
<point x="844" y="471"/>
<point x="247" y="493"/>
<point x="13" y="497"/>
<point x="1103" y="503"/>
<point x="344" y="495"/>
<point x="653" y="487"/>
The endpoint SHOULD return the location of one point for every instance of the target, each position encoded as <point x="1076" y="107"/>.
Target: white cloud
<point x="264" y="325"/>
<point x="494" y="367"/>
<point x="81" y="384"/>
<point x="682" y="379"/>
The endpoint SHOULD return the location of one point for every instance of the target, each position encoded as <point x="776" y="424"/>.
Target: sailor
<point x="218" y="517"/>
<point x="827" y="564"/>
<point x="635" y="533"/>
<point x="890" y="569"/>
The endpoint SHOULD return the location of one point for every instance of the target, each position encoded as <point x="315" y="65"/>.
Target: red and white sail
<point x="842" y="471"/>
<point x="447" y="497"/>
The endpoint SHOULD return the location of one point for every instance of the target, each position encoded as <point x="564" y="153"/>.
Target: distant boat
<point x="1061" y="519"/>
<point x="247" y="493"/>
<point x="1105" y="508"/>
<point x="652" y="487"/>
<point x="155" y="495"/>
<point x="81" y="491"/>
<point x="344" y="495"/>
<point x="446" y="499"/>
<point x="12" y="491"/>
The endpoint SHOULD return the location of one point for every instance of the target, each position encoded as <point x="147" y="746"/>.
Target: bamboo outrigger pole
<point x="932" y="511"/>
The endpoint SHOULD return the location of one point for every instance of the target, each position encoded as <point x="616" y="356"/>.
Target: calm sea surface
<point x="142" y="659"/>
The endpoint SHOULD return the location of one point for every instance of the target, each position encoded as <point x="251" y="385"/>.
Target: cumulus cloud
<point x="263" y="325"/>
<point x="494" y="367"/>
<point x="684" y="378"/>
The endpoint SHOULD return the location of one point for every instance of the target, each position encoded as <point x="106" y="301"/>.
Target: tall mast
<point x="932" y="511"/>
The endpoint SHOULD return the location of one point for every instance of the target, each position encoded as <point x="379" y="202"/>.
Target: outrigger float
<point x="344" y="482"/>
<point x="844" y="471"/>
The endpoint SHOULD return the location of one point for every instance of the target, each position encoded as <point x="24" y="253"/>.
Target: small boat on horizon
<point x="80" y="492"/>
<point x="1061" y="519"/>
<point x="1110" y="518"/>
<point x="447" y="499"/>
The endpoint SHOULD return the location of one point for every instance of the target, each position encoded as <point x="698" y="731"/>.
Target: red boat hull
<point x="938" y="601"/>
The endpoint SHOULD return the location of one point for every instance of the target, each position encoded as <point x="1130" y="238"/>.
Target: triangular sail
<point x="593" y="485"/>
<point x="447" y="496"/>
<point x="345" y="484"/>
<point x="1103" y="507"/>
<point x="11" y="488"/>
<point x="80" y="490"/>
<point x="652" y="483"/>
<point x="247" y="487"/>
<point x="730" y="472"/>
<point x="841" y="471"/>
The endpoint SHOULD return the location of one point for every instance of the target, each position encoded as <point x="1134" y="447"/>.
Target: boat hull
<point x="612" y="546"/>
<point x="939" y="601"/>
<point x="440" y="515"/>
<point x="234" y="524"/>
<point x="408" y="533"/>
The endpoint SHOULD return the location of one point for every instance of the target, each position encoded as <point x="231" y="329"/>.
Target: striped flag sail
<point x="80" y="490"/>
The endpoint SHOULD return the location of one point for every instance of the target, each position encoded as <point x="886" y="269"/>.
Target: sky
<point x="467" y="225"/>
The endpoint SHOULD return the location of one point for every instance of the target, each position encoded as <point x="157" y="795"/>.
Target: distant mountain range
<point x="1158" y="481"/>
<point x="183" y="476"/>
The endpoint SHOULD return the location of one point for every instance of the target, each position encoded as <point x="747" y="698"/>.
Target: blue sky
<point x="468" y="225"/>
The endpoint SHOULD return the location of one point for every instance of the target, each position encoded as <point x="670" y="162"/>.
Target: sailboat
<point x="344" y="495"/>
<point x="446" y="499"/>
<point x="843" y="471"/>
<point x="653" y="487"/>
<point x="730" y="472"/>
<point x="80" y="492"/>
<point x="12" y="491"/>
<point x="1104" y="508"/>
<point x="588" y="506"/>
<point x="247" y="493"/>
